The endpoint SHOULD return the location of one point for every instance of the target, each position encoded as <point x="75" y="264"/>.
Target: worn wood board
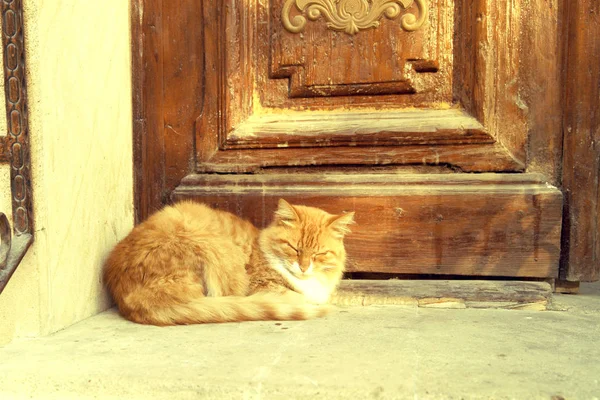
<point x="448" y="224"/>
<point x="520" y="295"/>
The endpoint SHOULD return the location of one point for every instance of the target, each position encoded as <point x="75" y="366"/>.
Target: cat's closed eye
<point x="323" y="255"/>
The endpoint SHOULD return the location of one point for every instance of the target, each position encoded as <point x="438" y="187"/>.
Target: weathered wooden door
<point x="437" y="121"/>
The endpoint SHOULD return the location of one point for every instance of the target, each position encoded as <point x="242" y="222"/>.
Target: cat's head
<point x="307" y="241"/>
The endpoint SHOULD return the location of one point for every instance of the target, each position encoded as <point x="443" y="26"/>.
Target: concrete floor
<point x="378" y="352"/>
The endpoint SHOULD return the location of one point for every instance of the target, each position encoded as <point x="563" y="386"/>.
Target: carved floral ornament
<point x="352" y="16"/>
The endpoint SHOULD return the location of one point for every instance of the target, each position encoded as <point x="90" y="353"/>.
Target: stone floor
<point x="378" y="352"/>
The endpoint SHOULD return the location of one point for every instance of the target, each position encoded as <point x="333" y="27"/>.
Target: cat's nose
<point x="304" y="267"/>
<point x="304" y="261"/>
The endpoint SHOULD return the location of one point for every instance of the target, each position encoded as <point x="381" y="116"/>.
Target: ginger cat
<point x="190" y="264"/>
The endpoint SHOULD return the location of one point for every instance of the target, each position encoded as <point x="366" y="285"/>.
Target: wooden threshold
<point x="445" y="224"/>
<point x="520" y="295"/>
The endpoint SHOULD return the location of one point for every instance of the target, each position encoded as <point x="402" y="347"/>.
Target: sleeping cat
<point x="190" y="264"/>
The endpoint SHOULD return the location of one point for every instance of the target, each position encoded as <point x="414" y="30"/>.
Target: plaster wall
<point x="79" y="87"/>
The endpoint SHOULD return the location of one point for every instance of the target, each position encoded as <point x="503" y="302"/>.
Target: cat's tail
<point x="162" y="309"/>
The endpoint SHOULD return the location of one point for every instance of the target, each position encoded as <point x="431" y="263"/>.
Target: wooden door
<point x="437" y="121"/>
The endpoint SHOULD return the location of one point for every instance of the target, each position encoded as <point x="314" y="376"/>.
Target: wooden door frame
<point x="160" y="164"/>
<point x="158" y="167"/>
<point x="581" y="141"/>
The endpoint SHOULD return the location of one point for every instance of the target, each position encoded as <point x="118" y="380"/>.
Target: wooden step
<point x="446" y="224"/>
<point x="521" y="295"/>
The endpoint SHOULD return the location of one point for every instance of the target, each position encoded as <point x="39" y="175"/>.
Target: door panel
<point x="461" y="77"/>
<point x="362" y="54"/>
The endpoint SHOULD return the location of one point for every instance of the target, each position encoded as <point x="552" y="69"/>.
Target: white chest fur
<point x="313" y="289"/>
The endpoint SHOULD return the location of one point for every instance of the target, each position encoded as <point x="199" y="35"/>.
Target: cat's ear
<point x="339" y="223"/>
<point x="286" y="214"/>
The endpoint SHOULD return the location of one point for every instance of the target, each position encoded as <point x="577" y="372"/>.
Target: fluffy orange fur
<point x="189" y="264"/>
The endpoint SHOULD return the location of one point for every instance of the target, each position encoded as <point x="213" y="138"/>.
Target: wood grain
<point x="507" y="75"/>
<point x="223" y="96"/>
<point x="241" y="60"/>
<point x="516" y="295"/>
<point x="147" y="77"/>
<point x="468" y="158"/>
<point x="260" y="78"/>
<point x="542" y="86"/>
<point x="294" y="129"/>
<point x="453" y="224"/>
<point x="183" y="68"/>
<point x="167" y="85"/>
<point x="566" y="287"/>
<point x="581" y="152"/>
<point x="209" y="124"/>
<point x="384" y="60"/>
